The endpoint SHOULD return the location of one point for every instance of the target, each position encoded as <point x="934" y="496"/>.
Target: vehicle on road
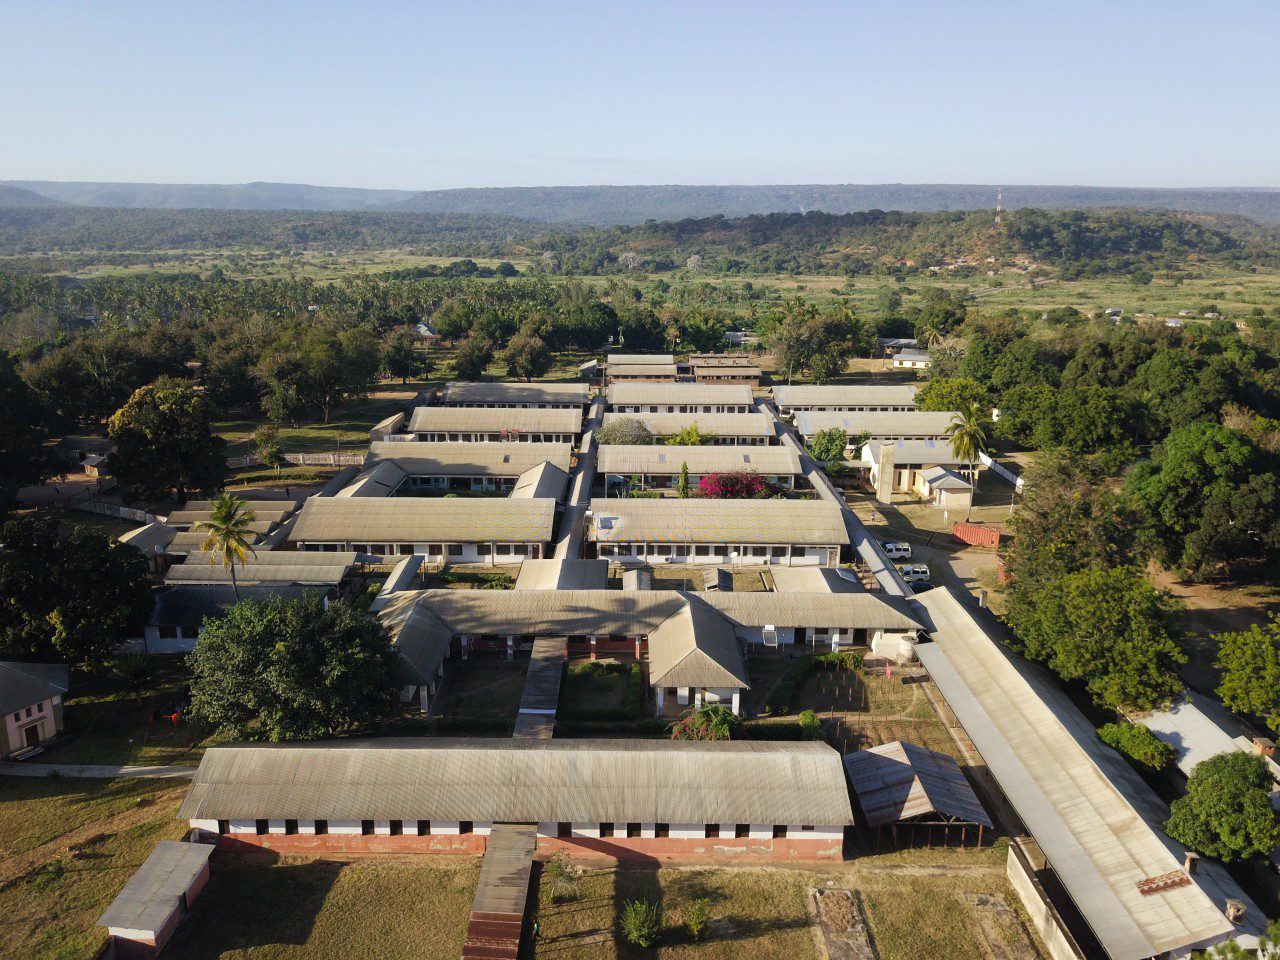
<point x="915" y="572"/>
<point x="896" y="549"/>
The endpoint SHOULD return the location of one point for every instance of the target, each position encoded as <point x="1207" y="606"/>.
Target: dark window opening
<point x="662" y="830"/>
<point x="322" y="827"/>
<point x="741" y="831"/>
<point x="779" y="832"/>
<point x="633" y="830"/>
<point x="424" y="828"/>
<point x="291" y="827"/>
<point x="712" y="831"/>
<point x="224" y="826"/>
<point x="564" y="829"/>
<point x="260" y="827"/>
<point x="466" y="826"/>
<point x="397" y="827"/>
<point x="366" y="828"/>
<point x="606" y="829"/>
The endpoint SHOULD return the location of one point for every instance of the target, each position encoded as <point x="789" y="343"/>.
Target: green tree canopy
<point x="1108" y="629"/>
<point x="1250" y="665"/>
<point x="690" y="436"/>
<point x="401" y="355"/>
<point x="24" y="428"/>
<point x="527" y="356"/>
<point x="829" y="445"/>
<point x="473" y="356"/>
<point x="625" y="431"/>
<point x="950" y="393"/>
<point x="1208" y="500"/>
<point x="1227" y="812"/>
<point x="291" y="670"/>
<point x="164" y="443"/>
<point x="72" y="597"/>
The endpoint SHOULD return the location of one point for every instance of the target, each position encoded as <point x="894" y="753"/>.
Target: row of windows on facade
<point x="496" y="437"/>
<point x="30" y="712"/>
<point x="432" y="549"/>
<point x="422" y="828"/>
<point x="685" y="550"/>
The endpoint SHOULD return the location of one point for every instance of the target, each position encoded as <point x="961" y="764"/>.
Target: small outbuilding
<point x="920" y="795"/>
<point x="145" y="914"/>
<point x="31" y="699"/>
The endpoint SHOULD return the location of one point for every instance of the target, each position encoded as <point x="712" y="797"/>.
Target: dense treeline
<point x="1076" y="243"/>
<point x="76" y="229"/>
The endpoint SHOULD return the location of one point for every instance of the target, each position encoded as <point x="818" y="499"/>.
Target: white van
<point x="896" y="550"/>
<point x="914" y="572"/>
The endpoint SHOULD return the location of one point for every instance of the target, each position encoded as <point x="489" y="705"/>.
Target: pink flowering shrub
<point x="736" y="485"/>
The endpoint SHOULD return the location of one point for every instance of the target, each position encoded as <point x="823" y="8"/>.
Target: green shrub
<point x="809" y="724"/>
<point x="640" y="923"/>
<point x="560" y="879"/>
<point x="712" y="722"/>
<point x="1138" y="744"/>
<point x="696" y="919"/>
<point x="851" y="662"/>
<point x="635" y="689"/>
<point x="780" y="699"/>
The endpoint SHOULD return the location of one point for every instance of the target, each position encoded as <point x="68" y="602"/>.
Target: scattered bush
<point x="852" y="662"/>
<point x="706" y="723"/>
<point x="809" y="724"/>
<point x="696" y="919"/>
<point x="1138" y="744"/>
<point x="640" y="923"/>
<point x="560" y="879"/>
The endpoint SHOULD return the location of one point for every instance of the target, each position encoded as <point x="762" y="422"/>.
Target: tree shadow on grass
<point x="251" y="901"/>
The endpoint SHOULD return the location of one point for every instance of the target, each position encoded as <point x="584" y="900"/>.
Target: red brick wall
<point x="621" y="848"/>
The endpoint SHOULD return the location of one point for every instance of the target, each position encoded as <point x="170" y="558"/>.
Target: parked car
<point x="914" y="572"/>
<point x="896" y="550"/>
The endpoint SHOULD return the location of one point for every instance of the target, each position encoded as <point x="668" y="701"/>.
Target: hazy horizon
<point x="443" y="96"/>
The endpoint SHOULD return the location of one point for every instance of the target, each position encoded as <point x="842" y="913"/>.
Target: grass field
<point x="596" y="685"/>
<point x="255" y="908"/>
<point x="483" y="688"/>
<point x="109" y="724"/>
<point x="914" y="901"/>
<point x="68" y="846"/>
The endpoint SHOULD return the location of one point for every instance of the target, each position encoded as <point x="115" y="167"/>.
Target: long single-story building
<point x="724" y="368"/>
<point x="726" y="429"/>
<point x="862" y="397"/>
<point x="909" y="359"/>
<point x="900" y="425"/>
<point x="546" y="395"/>
<point x="31" y="701"/>
<point x="679" y="398"/>
<point x="428" y="625"/>
<point x="639" y="367"/>
<point x="462" y="530"/>
<point x="496" y="425"/>
<point x="1096" y="822"/>
<point x="787" y="532"/>
<point x="444" y="467"/>
<point x="615" y="798"/>
<point x="658" y="466"/>
<point x="156" y="899"/>
<point x="182" y="609"/>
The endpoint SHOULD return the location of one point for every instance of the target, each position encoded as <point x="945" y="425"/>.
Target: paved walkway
<point x="573" y="522"/>
<point x="103" y="771"/>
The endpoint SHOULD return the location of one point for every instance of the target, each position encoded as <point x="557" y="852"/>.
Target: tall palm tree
<point x="228" y="535"/>
<point x="968" y="436"/>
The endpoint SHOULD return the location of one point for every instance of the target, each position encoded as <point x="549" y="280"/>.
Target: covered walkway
<point x="497" y="912"/>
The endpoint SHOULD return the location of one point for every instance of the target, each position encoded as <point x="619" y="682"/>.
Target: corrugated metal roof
<point x="495" y="420"/>
<point x="941" y="478"/>
<point x="563" y="575"/>
<point x="190" y="541"/>
<point x="655" y="370"/>
<point x="319" y="572"/>
<point x="149" y="537"/>
<point x="445" y="459"/>
<point x="813" y="580"/>
<point x="381" y="480"/>
<point x="862" y="610"/>
<point x="696" y="647"/>
<point x="420" y="637"/>
<point x="689" y="393"/>
<point x="424" y="520"/>
<point x="720" y="424"/>
<point x="22" y="684"/>
<point x="671" y="520"/>
<point x="284" y="558"/>
<point x="1095" y="820"/>
<point x="189" y="605"/>
<point x="916" y="451"/>
<point x="524" y="781"/>
<point x="877" y="423"/>
<point x="901" y="781"/>
<point x="153" y="893"/>
<point x="846" y="395"/>
<point x="663" y="459"/>
<point x="1198" y="727"/>
<point x="639" y="359"/>
<point x="544" y="480"/>
<point x="515" y="393"/>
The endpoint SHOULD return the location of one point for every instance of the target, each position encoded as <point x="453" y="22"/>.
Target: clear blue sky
<point x="441" y="94"/>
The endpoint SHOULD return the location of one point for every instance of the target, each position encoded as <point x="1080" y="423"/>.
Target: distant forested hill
<point x="606" y="206"/>
<point x="213" y="196"/>
<point x="1077" y="241"/>
<point x="68" y="228"/>
<point x="18" y="197"/>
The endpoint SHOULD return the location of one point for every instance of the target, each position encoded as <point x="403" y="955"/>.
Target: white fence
<point x="115" y="510"/>
<point x="302" y="460"/>
<point x="1000" y="470"/>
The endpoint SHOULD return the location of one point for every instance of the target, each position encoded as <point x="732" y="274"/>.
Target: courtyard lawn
<point x="299" y="908"/>
<point x="482" y="688"/>
<point x="110" y="724"/>
<point x="67" y="847"/>
<point x="599" y="687"/>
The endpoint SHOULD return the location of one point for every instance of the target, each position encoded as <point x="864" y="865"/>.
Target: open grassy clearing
<point x="68" y="847"/>
<point x="915" y="901"/>
<point x="482" y="688"/>
<point x="107" y="723"/>
<point x="294" y="908"/>
<point x="598" y="685"/>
